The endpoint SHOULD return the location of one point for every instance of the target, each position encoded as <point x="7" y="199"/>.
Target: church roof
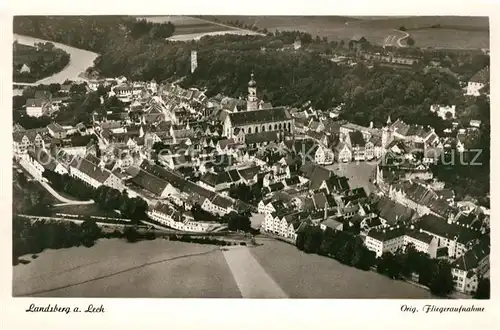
<point x="259" y="116"/>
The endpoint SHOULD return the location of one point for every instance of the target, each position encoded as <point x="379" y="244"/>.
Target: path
<point x="393" y="40"/>
<point x="406" y="35"/>
<point x="38" y="177"/>
<point x="252" y="280"/>
<point x="79" y="61"/>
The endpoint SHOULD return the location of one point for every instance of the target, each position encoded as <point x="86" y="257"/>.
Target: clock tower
<point x="252" y="101"/>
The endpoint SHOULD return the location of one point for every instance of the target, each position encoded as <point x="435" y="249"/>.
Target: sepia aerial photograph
<point x="214" y="156"/>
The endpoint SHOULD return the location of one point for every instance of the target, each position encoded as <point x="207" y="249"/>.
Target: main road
<point x="79" y="61"/>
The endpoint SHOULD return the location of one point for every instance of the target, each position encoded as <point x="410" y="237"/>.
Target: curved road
<point x="64" y="201"/>
<point x="79" y="61"/>
<point x="406" y="35"/>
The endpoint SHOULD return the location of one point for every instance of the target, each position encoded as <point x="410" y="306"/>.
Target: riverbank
<point x="79" y="60"/>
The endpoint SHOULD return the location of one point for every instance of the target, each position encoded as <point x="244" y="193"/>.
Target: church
<point x="258" y="119"/>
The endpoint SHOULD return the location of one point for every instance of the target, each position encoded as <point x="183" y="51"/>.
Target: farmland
<point x="303" y="275"/>
<point x="115" y="268"/>
<point x="168" y="269"/>
<point x="190" y="28"/>
<point x="448" y="32"/>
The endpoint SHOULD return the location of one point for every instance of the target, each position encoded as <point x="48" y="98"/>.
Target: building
<point x="275" y="119"/>
<point x="444" y="112"/>
<point x="297" y="43"/>
<point x="358" y="145"/>
<point x="36" y="107"/>
<point x="194" y="60"/>
<point x="458" y="239"/>
<point x="25" y="140"/>
<point x="41" y="160"/>
<point x="25" y="69"/>
<point x="170" y="217"/>
<point x="358" y="43"/>
<point x="475" y="123"/>
<point x="393" y="239"/>
<point x="344" y="153"/>
<point x="56" y="131"/>
<point x="468" y="269"/>
<point x="91" y="171"/>
<point x="478" y="81"/>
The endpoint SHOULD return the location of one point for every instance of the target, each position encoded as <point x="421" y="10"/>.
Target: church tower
<point x="252" y="101"/>
<point x="194" y="60"/>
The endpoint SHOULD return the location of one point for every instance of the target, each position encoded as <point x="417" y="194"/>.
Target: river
<point x="79" y="61"/>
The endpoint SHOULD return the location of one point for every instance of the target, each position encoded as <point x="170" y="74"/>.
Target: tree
<point x="131" y="234"/>
<point x="389" y="265"/>
<point x="313" y="239"/>
<point x="402" y="28"/>
<point x="410" y="41"/>
<point x="238" y="221"/>
<point x="483" y="289"/>
<point x="442" y="282"/>
<point x="90" y="232"/>
<point x="300" y="241"/>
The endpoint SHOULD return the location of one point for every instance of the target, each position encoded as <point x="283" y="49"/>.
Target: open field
<point x="186" y="25"/>
<point x="252" y="280"/>
<point x="115" y="268"/>
<point x="456" y="32"/>
<point x="191" y="28"/>
<point x="303" y="275"/>
<point x="161" y="268"/>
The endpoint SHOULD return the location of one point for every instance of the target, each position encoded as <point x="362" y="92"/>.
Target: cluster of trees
<point x="34" y="237"/>
<point x="69" y="185"/>
<point x="126" y="46"/>
<point x="142" y="28"/>
<point x="471" y="175"/>
<point x="106" y="198"/>
<point x="349" y="249"/>
<point x="70" y="114"/>
<point x="43" y="60"/>
<point x="34" y="199"/>
<point x="433" y="273"/>
<point x="340" y="245"/>
<point x="132" y="235"/>
<point x="249" y="194"/>
<point x="202" y="240"/>
<point x="235" y="221"/>
<point x="483" y="289"/>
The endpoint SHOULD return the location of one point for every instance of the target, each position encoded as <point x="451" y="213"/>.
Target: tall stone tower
<point x="252" y="101"/>
<point x="386" y="137"/>
<point x="194" y="60"/>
